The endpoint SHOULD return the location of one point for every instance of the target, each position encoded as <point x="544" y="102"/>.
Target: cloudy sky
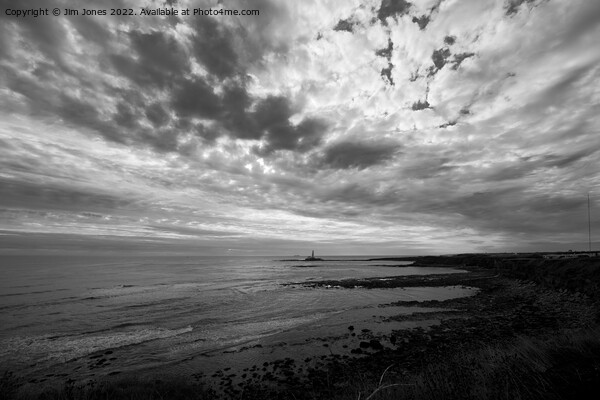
<point x="355" y="127"/>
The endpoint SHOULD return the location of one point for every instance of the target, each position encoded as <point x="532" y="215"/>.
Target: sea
<point x="85" y="317"/>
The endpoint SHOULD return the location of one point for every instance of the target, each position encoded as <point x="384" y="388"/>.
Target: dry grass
<point x="564" y="367"/>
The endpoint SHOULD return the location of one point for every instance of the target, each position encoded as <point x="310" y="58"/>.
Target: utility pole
<point x="589" y="227"/>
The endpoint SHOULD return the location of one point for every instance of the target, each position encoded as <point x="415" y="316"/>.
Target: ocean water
<point x="144" y="313"/>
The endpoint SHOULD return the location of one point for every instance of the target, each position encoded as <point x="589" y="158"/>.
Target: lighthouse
<point x="313" y="258"/>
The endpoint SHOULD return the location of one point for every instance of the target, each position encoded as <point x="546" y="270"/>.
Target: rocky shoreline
<point x="504" y="310"/>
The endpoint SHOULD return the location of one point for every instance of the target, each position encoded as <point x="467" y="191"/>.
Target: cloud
<point x="157" y="114"/>
<point x="420" y="105"/>
<point x="45" y="196"/>
<point x="196" y="98"/>
<point x="191" y="231"/>
<point x="387" y="51"/>
<point x="386" y="73"/>
<point x="344" y="25"/>
<point x="125" y="116"/>
<point x="459" y="58"/>
<point x="440" y="57"/>
<point x="392" y="8"/>
<point x="285" y="136"/>
<point x="358" y="155"/>
<point x="422" y="21"/>
<point x="513" y="6"/>
<point x="433" y="123"/>
<point x="213" y="47"/>
<point x="160" y="55"/>
<point x="586" y="19"/>
<point x="161" y="60"/>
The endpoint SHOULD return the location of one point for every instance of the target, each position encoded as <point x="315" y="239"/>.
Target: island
<point x="313" y="258"/>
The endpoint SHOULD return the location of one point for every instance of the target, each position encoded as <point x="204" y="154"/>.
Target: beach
<point x="404" y="321"/>
<point x="84" y="319"/>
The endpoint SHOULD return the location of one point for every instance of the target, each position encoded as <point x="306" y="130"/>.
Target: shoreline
<point x="503" y="310"/>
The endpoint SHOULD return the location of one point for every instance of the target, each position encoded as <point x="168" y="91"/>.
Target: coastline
<point x="506" y="309"/>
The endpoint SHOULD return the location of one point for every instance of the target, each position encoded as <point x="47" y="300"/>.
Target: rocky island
<point x="312" y="257"/>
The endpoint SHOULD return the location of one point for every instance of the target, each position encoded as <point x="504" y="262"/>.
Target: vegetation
<point x="121" y="389"/>
<point x="564" y="367"/>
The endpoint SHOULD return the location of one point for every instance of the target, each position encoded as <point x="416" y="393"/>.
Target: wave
<point x="65" y="348"/>
<point x="41" y="304"/>
<point x="30" y="293"/>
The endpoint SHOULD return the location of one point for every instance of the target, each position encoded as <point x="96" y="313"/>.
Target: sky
<point x="356" y="127"/>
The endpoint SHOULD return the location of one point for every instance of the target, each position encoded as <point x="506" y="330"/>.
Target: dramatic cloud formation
<point x="377" y="126"/>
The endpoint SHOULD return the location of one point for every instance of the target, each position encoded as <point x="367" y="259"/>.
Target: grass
<point x="563" y="367"/>
<point x="574" y="275"/>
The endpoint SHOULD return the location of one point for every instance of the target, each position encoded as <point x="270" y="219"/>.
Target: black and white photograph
<point x="299" y="200"/>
